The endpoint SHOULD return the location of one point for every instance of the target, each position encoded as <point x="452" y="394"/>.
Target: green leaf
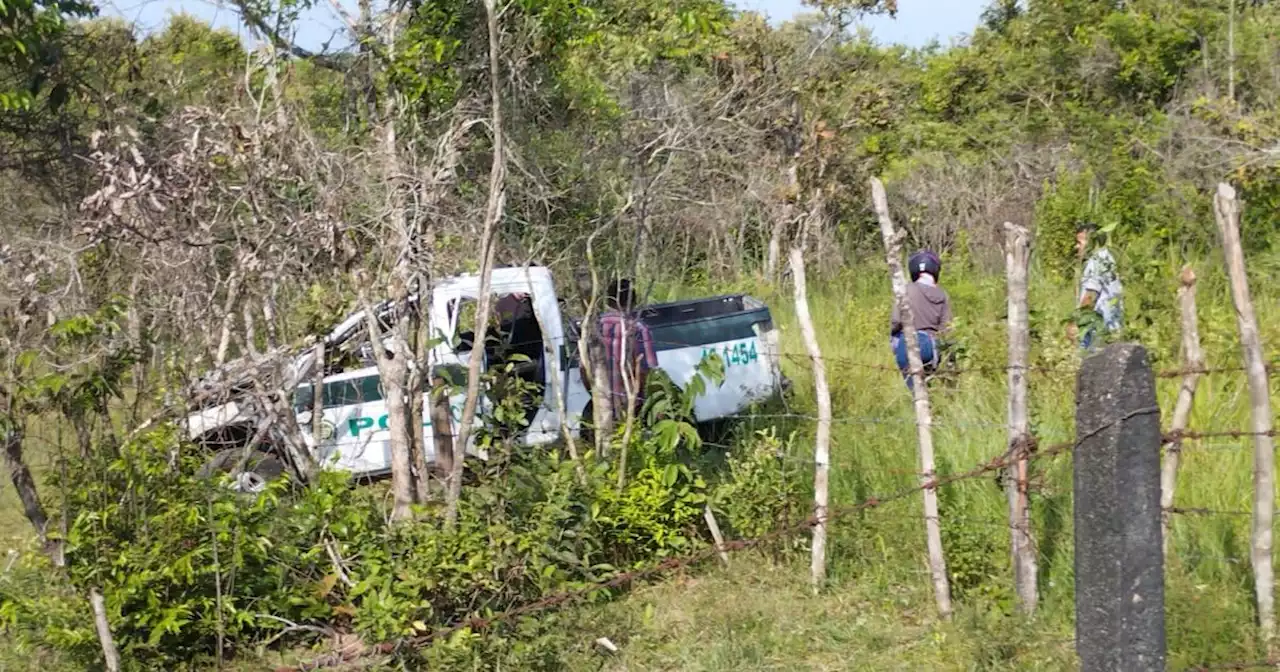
<point x="669" y="475"/>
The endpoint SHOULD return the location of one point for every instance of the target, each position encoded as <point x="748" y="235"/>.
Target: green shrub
<point x="38" y="614"/>
<point x="184" y="562"/>
<point x="654" y="514"/>
<point x="761" y="492"/>
<point x="180" y="560"/>
<point x="187" y="566"/>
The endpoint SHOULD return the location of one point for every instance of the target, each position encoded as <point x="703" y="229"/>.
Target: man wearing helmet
<point x="930" y="312"/>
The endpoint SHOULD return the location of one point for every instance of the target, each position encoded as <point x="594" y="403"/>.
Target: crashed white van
<point x="354" y="436"/>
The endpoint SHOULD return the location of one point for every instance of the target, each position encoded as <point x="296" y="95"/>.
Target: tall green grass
<point x="877" y="556"/>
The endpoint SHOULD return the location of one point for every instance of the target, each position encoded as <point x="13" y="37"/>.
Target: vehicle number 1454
<point x="738" y="354"/>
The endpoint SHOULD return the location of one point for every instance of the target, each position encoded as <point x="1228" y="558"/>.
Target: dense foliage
<point x="176" y="199"/>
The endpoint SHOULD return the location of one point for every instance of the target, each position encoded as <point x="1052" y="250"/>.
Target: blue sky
<point x="918" y="21"/>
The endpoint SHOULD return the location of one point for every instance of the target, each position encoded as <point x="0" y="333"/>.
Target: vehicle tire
<point x="785" y="387"/>
<point x="260" y="469"/>
<point x="587" y="426"/>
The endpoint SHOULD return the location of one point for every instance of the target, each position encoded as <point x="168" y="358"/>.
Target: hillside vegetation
<point x="176" y="202"/>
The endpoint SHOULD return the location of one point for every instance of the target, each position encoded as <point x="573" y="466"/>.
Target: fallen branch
<point x="109" y="652"/>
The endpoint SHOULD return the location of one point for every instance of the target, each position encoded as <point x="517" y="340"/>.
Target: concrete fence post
<point x="1119" y="564"/>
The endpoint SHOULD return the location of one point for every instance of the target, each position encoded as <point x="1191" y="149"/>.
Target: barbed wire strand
<point x="1201" y="511"/>
<point x="1193" y="435"/>
<point x="860" y="362"/>
<point x="1245" y="665"/>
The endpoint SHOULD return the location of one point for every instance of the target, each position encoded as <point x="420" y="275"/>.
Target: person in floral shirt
<point x="1100" y="307"/>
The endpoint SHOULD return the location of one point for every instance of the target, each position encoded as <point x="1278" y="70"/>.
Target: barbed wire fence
<point x="838" y="512"/>
<point x="994" y="465"/>
<point x="1023" y="448"/>
<point x="573" y="596"/>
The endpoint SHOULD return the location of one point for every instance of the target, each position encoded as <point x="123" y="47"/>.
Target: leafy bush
<point x="761" y="493"/>
<point x="180" y="560"/>
<point x="977" y="565"/>
<point x="188" y="566"/>
<point x="183" y="563"/>
<point x="36" y="613"/>
<point x="653" y="514"/>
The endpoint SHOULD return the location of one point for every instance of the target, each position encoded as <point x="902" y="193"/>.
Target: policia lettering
<point x="356" y="426"/>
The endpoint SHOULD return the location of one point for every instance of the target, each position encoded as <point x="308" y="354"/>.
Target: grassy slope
<point x="878" y="613"/>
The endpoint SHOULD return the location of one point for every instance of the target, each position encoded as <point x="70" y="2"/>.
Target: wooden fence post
<point x="822" y="443"/>
<point x="1226" y="210"/>
<point x="716" y="536"/>
<point x="1193" y="364"/>
<point x="1022" y="543"/>
<point x="920" y="393"/>
<point x="1116" y="490"/>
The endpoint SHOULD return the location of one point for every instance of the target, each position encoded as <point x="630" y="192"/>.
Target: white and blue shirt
<point x="1100" y="276"/>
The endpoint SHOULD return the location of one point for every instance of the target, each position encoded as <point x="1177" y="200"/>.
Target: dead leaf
<point x="326" y="585"/>
<point x="345" y="610"/>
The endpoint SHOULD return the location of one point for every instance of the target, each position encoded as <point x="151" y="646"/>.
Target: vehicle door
<point x="544" y="427"/>
<point x="452" y="319"/>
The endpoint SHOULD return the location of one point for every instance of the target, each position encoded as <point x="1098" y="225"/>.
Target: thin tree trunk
<point x="601" y="394"/>
<point x="417" y="399"/>
<point x="299" y="454"/>
<point x="1226" y="211"/>
<point x="822" y="443"/>
<point x="791" y="182"/>
<point x="23" y="483"/>
<point x="394" y="369"/>
<point x="709" y="516"/>
<point x="1193" y="363"/>
<point x="110" y="654"/>
<point x="792" y="143"/>
<point x="137" y="341"/>
<point x="591" y="353"/>
<point x="12" y="436"/>
<point x="1017" y="260"/>
<point x="269" y="315"/>
<point x="394" y="372"/>
<point x="924" y="416"/>
<point x="317" y="397"/>
<point x="549" y="351"/>
<point x="228" y="318"/>
<point x="492" y="215"/>
<point x="1231" y="50"/>
<point x="557" y="388"/>
<point x="630" y="373"/>
<point x="812" y="225"/>
<point x="442" y="429"/>
<point x="402" y="442"/>
<point x="217" y="591"/>
<point x="79" y="419"/>
<point x="250" y="330"/>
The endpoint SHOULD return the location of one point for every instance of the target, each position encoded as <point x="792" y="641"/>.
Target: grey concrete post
<point x="1118" y="560"/>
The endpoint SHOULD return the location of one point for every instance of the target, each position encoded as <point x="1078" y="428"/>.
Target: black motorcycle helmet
<point x="925" y="261"/>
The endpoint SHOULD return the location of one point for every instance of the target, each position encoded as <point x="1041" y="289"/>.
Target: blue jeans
<point x="1089" y="340"/>
<point x="928" y="354"/>
<point x="1086" y="339"/>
